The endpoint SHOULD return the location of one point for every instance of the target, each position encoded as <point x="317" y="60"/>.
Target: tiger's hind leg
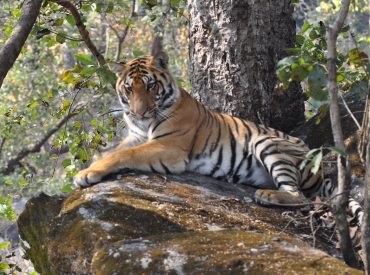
<point x="280" y="158"/>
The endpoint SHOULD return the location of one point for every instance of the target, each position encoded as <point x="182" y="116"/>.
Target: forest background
<point x="58" y="106"/>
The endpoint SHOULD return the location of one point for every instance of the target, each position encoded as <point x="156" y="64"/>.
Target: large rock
<point x="152" y="224"/>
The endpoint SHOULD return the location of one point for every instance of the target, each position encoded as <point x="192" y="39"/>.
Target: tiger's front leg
<point x="151" y="157"/>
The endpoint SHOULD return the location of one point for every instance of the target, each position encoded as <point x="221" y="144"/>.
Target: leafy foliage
<point x="307" y="63"/>
<point x="57" y="75"/>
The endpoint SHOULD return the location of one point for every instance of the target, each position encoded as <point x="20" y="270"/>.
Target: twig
<point x="350" y="113"/>
<point x="2" y="146"/>
<point x="65" y="36"/>
<point x="121" y="38"/>
<point x="14" y="162"/>
<point x="82" y="29"/>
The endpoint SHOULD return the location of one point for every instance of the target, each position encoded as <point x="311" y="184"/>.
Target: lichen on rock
<point x="144" y="224"/>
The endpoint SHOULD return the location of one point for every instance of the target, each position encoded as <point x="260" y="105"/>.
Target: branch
<point x="340" y="203"/>
<point x="10" y="50"/>
<point x="350" y="113"/>
<point x="14" y="162"/>
<point x="121" y="38"/>
<point x="82" y="29"/>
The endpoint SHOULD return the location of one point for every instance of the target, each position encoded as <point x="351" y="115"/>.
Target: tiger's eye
<point x="150" y="85"/>
<point x="128" y="88"/>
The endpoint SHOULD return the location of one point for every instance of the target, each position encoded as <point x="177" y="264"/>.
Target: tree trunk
<point x="234" y="48"/>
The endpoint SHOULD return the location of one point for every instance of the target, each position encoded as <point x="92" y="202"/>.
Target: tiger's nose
<point x="139" y="113"/>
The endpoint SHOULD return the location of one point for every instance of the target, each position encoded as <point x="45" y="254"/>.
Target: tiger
<point x="170" y="132"/>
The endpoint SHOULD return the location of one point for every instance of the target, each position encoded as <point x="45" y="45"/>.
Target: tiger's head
<point x="146" y="88"/>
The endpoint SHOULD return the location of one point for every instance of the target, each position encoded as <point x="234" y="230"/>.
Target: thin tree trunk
<point x="366" y="220"/>
<point x="340" y="202"/>
<point x="10" y="50"/>
<point x="234" y="48"/>
<point x="365" y="155"/>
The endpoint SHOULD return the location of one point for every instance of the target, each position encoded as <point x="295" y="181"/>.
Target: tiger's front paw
<point x="87" y="177"/>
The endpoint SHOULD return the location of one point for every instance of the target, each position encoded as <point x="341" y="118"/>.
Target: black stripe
<point x="233" y="151"/>
<point x="165" y="167"/>
<point x="159" y="123"/>
<point x="290" y="183"/>
<point x="166" y="134"/>
<point x="279" y="162"/>
<point x="219" y="161"/>
<point x="245" y="154"/>
<point x="123" y="99"/>
<point x="163" y="75"/>
<point x="215" y="144"/>
<point x="168" y="94"/>
<point x="204" y="146"/>
<point x="195" y="138"/>
<point x="261" y="141"/>
<point x="286" y="175"/>
<point x="265" y="153"/>
<point x="152" y="169"/>
<point x="312" y="189"/>
<point x="249" y="162"/>
<point x="236" y="124"/>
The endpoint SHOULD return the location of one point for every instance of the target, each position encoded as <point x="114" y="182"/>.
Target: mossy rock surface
<point x="151" y="224"/>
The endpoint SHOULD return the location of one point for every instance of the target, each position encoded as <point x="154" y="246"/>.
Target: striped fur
<point x="170" y="132"/>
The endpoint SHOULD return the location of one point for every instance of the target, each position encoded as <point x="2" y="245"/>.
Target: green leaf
<point x="58" y="22"/>
<point x="94" y="122"/>
<point x="299" y="40"/>
<point x="23" y="182"/>
<point x="136" y="53"/>
<point x="293" y="50"/>
<point x="98" y="7"/>
<point x="317" y="83"/>
<point x="66" y="103"/>
<point x="67" y="77"/>
<point x="9" y="182"/>
<point x="88" y="71"/>
<point x="288" y="61"/>
<point x="174" y="4"/>
<point x="305" y="26"/>
<point x="77" y="124"/>
<point x="66" y="163"/>
<point x="4" y="267"/>
<point x="345" y="28"/>
<point x="109" y="8"/>
<point x="106" y="75"/>
<point x="300" y="72"/>
<point x="84" y="59"/>
<point x="61" y="37"/>
<point x="66" y="188"/>
<point x="3" y="245"/>
<point x="70" y="19"/>
<point x="316" y="162"/>
<point x="337" y="150"/>
<point x="357" y="57"/>
<point x="82" y="153"/>
<point x="33" y="104"/>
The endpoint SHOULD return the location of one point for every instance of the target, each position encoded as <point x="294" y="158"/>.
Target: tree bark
<point x="10" y="50"/>
<point x="234" y="49"/>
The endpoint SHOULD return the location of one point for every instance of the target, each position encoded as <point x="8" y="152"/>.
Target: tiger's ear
<point x="116" y="67"/>
<point x="160" y="60"/>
